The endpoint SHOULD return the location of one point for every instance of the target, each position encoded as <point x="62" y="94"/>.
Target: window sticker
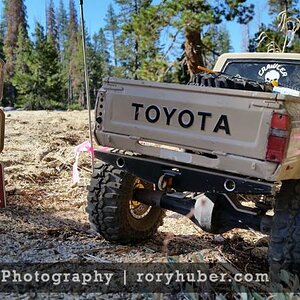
<point x="272" y="72"/>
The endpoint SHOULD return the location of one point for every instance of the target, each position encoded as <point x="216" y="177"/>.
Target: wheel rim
<point x="137" y="209"/>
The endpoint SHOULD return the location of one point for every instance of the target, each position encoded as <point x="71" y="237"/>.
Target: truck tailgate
<point x="210" y="120"/>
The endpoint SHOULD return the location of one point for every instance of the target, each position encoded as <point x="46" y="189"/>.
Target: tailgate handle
<point x="267" y="103"/>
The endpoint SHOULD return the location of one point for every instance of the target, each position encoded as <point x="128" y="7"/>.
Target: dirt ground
<point x="45" y="218"/>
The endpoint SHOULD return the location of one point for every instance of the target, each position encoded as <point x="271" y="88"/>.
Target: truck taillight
<point x="280" y="121"/>
<point x="278" y="137"/>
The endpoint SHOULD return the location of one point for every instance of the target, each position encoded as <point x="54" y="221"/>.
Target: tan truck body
<point x="222" y="129"/>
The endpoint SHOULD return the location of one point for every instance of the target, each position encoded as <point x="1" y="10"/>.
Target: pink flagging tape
<point x="84" y="147"/>
<point x="105" y="149"/>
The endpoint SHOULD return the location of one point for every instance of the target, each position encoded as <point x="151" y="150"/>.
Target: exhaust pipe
<point x="214" y="213"/>
<point x="229" y="185"/>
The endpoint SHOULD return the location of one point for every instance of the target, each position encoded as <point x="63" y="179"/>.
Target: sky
<point x="95" y="10"/>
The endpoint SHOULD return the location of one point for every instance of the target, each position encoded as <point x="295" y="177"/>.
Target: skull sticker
<point x="272" y="75"/>
<point x="272" y="72"/>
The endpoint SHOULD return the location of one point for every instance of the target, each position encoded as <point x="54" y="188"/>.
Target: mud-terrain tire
<point x="284" y="249"/>
<point x="113" y="213"/>
<point x="228" y="82"/>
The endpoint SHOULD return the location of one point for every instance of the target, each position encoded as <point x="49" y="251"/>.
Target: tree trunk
<point x="193" y="51"/>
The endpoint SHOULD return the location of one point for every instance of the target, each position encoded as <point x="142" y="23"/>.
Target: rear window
<point x="285" y="72"/>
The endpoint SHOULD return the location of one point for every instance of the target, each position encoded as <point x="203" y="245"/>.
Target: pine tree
<point x="2" y="29"/>
<point x="3" y="16"/>
<point x="100" y="47"/>
<point x="23" y="79"/>
<point x="277" y="6"/>
<point x="62" y="21"/>
<point x="138" y="51"/>
<point x="216" y="41"/>
<point x="38" y="77"/>
<point x="15" y="12"/>
<point x="78" y="71"/>
<point x="2" y="33"/>
<point x="73" y="56"/>
<point x="52" y="28"/>
<point x="73" y="21"/>
<point x="38" y="72"/>
<point x="15" y="16"/>
<point x="98" y="61"/>
<point x="191" y="17"/>
<point x="112" y="29"/>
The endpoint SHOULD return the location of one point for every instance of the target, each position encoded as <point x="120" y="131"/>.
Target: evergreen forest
<point x="162" y="41"/>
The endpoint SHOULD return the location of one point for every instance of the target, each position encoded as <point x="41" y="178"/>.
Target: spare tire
<point x="229" y="82"/>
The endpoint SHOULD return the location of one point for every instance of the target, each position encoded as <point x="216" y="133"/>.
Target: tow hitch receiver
<point x="214" y="213"/>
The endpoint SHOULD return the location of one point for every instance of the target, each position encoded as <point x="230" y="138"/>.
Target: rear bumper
<point x="234" y="164"/>
<point x="184" y="176"/>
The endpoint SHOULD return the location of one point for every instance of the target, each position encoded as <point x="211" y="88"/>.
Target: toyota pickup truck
<point x="195" y="149"/>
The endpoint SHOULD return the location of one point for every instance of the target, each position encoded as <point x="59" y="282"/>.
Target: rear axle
<point x="214" y="213"/>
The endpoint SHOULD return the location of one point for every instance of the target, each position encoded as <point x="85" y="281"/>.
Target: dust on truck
<point x="199" y="147"/>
